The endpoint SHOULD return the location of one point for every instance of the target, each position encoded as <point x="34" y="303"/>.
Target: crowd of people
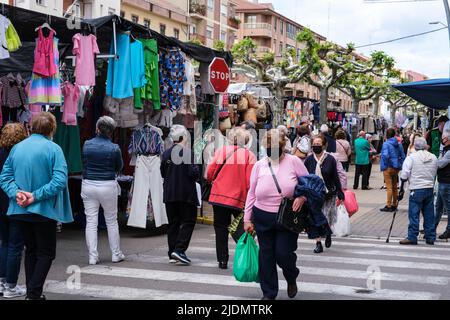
<point x="311" y="169"/>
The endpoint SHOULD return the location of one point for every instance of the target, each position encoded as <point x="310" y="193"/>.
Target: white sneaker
<point x="94" y="262"/>
<point x="118" y="258"/>
<point x="16" y="292"/>
<point x="173" y="261"/>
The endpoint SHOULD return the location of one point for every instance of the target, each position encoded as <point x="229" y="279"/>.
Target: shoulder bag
<point x="208" y="186"/>
<point x="286" y="216"/>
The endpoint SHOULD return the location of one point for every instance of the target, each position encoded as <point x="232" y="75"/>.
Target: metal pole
<point x="447" y="11"/>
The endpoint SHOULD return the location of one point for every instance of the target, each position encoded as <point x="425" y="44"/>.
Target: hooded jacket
<point x="392" y="155"/>
<point x="312" y="188"/>
<point x="420" y="168"/>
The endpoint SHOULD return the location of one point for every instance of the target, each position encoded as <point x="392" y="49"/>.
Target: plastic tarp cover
<point x="434" y="94"/>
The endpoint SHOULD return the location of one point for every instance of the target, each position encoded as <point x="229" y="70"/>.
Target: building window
<point x="224" y="10"/>
<point x="162" y="29"/>
<point x="211" y="4"/>
<point x="176" y="33"/>
<point x="134" y="19"/>
<point x="223" y="36"/>
<point x="281" y="27"/>
<point x="194" y="29"/>
<point x="209" y="32"/>
<point x="251" y="22"/>
<point x="281" y="48"/>
<point x="41" y="3"/>
<point x="146" y="23"/>
<point x="122" y="14"/>
<point x="275" y="23"/>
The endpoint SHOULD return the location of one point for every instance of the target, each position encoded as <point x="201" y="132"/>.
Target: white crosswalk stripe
<point x="340" y="271"/>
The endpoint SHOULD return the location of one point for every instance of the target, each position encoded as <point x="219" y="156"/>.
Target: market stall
<point x="107" y="66"/>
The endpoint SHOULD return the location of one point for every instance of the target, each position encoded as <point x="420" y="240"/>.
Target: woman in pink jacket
<point x="229" y="172"/>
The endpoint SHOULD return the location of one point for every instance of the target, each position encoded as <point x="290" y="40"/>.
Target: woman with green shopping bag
<point x="277" y="244"/>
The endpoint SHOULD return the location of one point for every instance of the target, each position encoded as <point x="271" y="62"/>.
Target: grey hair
<point x="446" y="132"/>
<point x="238" y="137"/>
<point x="420" y="144"/>
<point x="283" y="129"/>
<point x="324" y="128"/>
<point x="179" y="133"/>
<point x="106" y="126"/>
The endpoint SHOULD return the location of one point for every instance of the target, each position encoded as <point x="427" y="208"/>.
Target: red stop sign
<point x="219" y="75"/>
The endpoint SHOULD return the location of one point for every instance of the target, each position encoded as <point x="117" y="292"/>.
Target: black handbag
<point x="208" y="186"/>
<point x="286" y="216"/>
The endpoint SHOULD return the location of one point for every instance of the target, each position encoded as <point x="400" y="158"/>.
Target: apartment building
<point x="168" y="17"/>
<point x="412" y="76"/>
<point x="212" y="21"/>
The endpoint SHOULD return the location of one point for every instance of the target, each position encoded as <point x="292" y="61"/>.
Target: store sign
<point x="219" y="75"/>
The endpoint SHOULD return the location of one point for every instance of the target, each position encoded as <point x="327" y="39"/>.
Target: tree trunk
<point x="376" y="106"/>
<point x="279" y="108"/>
<point x="355" y="105"/>
<point x="393" y="115"/>
<point x="323" y="105"/>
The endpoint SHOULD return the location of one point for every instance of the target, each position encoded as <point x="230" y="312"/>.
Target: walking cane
<point x="400" y="198"/>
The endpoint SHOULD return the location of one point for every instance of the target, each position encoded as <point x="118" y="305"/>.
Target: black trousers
<point x="40" y="244"/>
<point x="277" y="246"/>
<point x="346" y="165"/>
<point x="182" y="218"/>
<point x="364" y="171"/>
<point x="222" y="221"/>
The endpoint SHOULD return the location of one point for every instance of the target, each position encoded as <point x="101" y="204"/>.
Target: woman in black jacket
<point x="324" y="165"/>
<point x="180" y="175"/>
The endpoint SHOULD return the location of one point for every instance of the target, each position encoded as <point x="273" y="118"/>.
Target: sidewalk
<point x="369" y="221"/>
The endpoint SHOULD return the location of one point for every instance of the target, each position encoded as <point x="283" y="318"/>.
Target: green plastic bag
<point x="246" y="262"/>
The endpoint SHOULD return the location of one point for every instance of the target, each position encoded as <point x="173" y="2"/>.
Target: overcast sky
<point x="359" y="22"/>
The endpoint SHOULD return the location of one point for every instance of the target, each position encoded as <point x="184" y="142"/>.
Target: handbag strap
<point x="346" y="150"/>
<point x="275" y="179"/>
<point x="224" y="163"/>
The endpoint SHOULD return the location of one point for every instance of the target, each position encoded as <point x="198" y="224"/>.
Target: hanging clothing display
<point x="146" y="141"/>
<point x="118" y="83"/>
<point x="172" y="78"/>
<point x="85" y="48"/>
<point x="151" y="90"/>
<point x="12" y="90"/>
<point x="44" y="64"/>
<point x="71" y="94"/>
<point x="138" y="77"/>
<point x="9" y="39"/>
<point x="68" y="138"/>
<point x="46" y="90"/>
<point x="147" y="180"/>
<point x="293" y="113"/>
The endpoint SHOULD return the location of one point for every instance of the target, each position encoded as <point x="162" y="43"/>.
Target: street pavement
<point x="362" y="266"/>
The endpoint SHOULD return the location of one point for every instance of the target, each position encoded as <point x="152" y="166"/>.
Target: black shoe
<point x="430" y="242"/>
<point x="393" y="209"/>
<point x="328" y="241"/>
<point x="408" y="242"/>
<point x="445" y="235"/>
<point x="292" y="290"/>
<point x="181" y="257"/>
<point x="386" y="209"/>
<point x="355" y="188"/>
<point x="319" y="247"/>
<point x="41" y="298"/>
<point x="223" y="265"/>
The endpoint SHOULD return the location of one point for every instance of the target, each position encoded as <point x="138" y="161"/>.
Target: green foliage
<point x="219" y="45"/>
<point x="196" y="41"/>
<point x="243" y="50"/>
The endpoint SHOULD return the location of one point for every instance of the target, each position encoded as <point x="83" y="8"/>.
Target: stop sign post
<point x="219" y="75"/>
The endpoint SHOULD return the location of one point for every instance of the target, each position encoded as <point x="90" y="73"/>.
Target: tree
<point x="329" y="63"/>
<point x="263" y="68"/>
<point x="219" y="45"/>
<point x="366" y="86"/>
<point x="396" y="100"/>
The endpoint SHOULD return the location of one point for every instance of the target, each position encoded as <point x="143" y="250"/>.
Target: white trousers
<point x="94" y="195"/>
<point x="147" y="180"/>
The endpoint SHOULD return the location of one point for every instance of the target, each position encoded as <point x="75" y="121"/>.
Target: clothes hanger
<point x="46" y="25"/>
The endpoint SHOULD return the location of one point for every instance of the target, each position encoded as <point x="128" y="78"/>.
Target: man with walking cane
<point x="420" y="170"/>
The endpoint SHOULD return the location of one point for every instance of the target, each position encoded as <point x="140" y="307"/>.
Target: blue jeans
<point x="443" y="203"/>
<point x="421" y="200"/>
<point x="10" y="250"/>
<point x="277" y="246"/>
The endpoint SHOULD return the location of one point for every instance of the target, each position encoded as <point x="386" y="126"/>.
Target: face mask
<point x="317" y="149"/>
<point x="274" y="153"/>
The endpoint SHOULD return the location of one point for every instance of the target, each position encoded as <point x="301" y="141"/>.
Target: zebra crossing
<point x="352" y="269"/>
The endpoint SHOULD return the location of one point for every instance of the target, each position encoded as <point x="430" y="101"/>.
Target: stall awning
<point x="434" y="94"/>
<point x="25" y="22"/>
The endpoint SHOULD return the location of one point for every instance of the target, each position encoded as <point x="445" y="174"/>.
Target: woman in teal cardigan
<point x="34" y="178"/>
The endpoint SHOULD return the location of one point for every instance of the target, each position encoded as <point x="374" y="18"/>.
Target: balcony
<point x="234" y="22"/>
<point x="198" y="37"/>
<point x="162" y="8"/>
<point x="258" y="30"/>
<point x="198" y="10"/>
<point x="263" y="49"/>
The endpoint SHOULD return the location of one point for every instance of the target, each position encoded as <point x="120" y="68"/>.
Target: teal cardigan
<point x="38" y="165"/>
